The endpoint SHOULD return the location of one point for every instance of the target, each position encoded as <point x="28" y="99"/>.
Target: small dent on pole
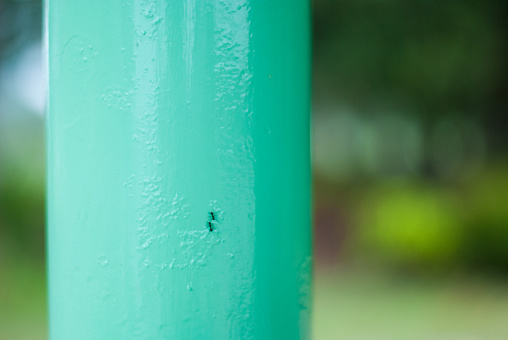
<point x="102" y="261"/>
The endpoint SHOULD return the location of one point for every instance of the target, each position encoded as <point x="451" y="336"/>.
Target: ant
<point x="210" y="223"/>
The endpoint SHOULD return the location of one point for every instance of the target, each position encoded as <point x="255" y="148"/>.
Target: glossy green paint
<point x="161" y="112"/>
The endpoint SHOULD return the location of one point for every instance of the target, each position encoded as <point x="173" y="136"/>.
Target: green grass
<point x="355" y="307"/>
<point x="22" y="301"/>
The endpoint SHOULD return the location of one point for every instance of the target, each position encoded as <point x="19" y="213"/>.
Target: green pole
<point x="178" y="169"/>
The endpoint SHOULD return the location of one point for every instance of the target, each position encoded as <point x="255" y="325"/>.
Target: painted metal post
<point x="178" y="169"/>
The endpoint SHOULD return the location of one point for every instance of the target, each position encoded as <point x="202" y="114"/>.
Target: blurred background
<point x="410" y="167"/>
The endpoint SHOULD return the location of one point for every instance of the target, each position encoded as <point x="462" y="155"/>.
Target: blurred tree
<point x="435" y="56"/>
<point x="20" y="25"/>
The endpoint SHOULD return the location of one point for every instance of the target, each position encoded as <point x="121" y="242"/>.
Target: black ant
<point x="210" y="223"/>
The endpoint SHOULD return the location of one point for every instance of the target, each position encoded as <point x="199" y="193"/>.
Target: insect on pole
<point x="178" y="169"/>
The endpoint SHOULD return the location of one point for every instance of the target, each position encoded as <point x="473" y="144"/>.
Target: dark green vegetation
<point x="410" y="154"/>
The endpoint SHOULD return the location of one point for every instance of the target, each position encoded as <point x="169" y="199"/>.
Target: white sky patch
<point x="22" y="79"/>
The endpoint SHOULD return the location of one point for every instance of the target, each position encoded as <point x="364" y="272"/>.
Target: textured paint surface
<point x="161" y="113"/>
